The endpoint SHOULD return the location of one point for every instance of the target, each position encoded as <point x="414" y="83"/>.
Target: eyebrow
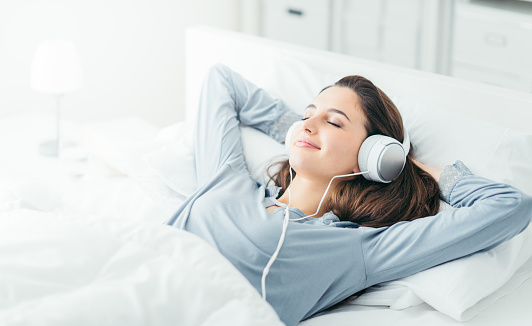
<point x="312" y="106"/>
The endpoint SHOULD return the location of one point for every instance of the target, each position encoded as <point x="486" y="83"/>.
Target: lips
<point x="303" y="142"/>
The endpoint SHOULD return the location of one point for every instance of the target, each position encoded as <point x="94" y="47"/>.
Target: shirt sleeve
<point x="226" y="100"/>
<point x="485" y="214"/>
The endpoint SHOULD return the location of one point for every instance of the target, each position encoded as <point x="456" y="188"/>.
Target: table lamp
<point x="56" y="70"/>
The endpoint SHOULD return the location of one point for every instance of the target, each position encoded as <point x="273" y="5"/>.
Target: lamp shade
<point x="56" y="67"/>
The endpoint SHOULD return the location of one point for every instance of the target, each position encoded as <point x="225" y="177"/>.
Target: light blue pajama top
<point x="322" y="260"/>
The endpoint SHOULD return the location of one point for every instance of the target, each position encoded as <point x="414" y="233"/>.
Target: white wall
<point x="132" y="53"/>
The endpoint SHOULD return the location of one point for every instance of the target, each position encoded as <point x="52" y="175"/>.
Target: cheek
<point x="346" y="154"/>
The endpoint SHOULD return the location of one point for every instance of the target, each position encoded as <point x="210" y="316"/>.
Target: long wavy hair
<point x="412" y="195"/>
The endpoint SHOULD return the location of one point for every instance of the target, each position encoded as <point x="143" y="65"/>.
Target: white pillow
<point x="460" y="288"/>
<point x="126" y="145"/>
<point x="440" y="137"/>
<point x="260" y="152"/>
<point x="174" y="160"/>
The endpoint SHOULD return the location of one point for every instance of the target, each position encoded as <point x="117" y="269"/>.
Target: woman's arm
<point x="226" y="100"/>
<point x="486" y="214"/>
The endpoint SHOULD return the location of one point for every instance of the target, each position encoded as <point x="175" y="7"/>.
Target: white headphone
<point x="381" y="156"/>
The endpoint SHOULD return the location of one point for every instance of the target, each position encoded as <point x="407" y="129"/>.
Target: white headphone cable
<point x="285" y="226"/>
<point x="280" y="243"/>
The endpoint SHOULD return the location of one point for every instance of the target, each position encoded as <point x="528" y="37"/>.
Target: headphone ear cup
<point x="383" y="157"/>
<point x="363" y="157"/>
<point x="289" y="135"/>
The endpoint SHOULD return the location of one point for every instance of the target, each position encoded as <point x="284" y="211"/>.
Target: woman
<point x="362" y="234"/>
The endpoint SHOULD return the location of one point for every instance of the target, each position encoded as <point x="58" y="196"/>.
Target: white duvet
<point x="459" y="289"/>
<point x="58" y="269"/>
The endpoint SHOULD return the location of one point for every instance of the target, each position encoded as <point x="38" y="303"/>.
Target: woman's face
<point x="327" y="142"/>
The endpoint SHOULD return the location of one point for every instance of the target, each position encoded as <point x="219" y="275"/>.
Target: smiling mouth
<point x="306" y="143"/>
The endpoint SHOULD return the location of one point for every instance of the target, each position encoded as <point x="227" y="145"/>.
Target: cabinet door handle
<point x="494" y="39"/>
<point x="295" y="12"/>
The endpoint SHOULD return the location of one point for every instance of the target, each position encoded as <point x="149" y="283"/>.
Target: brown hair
<point x="412" y="195"/>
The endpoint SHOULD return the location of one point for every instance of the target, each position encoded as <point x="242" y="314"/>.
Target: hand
<point x="432" y="170"/>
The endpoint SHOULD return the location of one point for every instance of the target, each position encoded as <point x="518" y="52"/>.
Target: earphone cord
<point x="279" y="244"/>
<point x="285" y="226"/>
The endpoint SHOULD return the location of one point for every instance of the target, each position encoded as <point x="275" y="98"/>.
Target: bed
<point x="83" y="240"/>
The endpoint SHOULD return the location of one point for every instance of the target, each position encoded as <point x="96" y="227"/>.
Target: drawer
<point x="297" y="21"/>
<point x="493" y="42"/>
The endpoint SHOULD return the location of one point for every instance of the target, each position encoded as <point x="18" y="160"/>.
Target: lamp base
<point x="51" y="147"/>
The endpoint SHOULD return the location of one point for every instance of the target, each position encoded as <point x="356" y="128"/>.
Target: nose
<point x="308" y="125"/>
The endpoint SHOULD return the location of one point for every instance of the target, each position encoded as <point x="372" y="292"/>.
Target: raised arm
<point x="226" y="100"/>
<point x="485" y="214"/>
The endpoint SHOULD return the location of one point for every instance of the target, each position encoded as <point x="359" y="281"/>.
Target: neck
<point x="306" y="195"/>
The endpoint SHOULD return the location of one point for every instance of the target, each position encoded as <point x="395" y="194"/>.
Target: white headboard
<point x="252" y="56"/>
<point x="487" y="127"/>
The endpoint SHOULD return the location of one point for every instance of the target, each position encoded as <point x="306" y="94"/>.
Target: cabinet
<point x="400" y="32"/>
<point x="297" y="21"/>
<point x="492" y="43"/>
<point x="489" y="41"/>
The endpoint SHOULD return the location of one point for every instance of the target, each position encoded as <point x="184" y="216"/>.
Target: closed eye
<point x="329" y="122"/>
